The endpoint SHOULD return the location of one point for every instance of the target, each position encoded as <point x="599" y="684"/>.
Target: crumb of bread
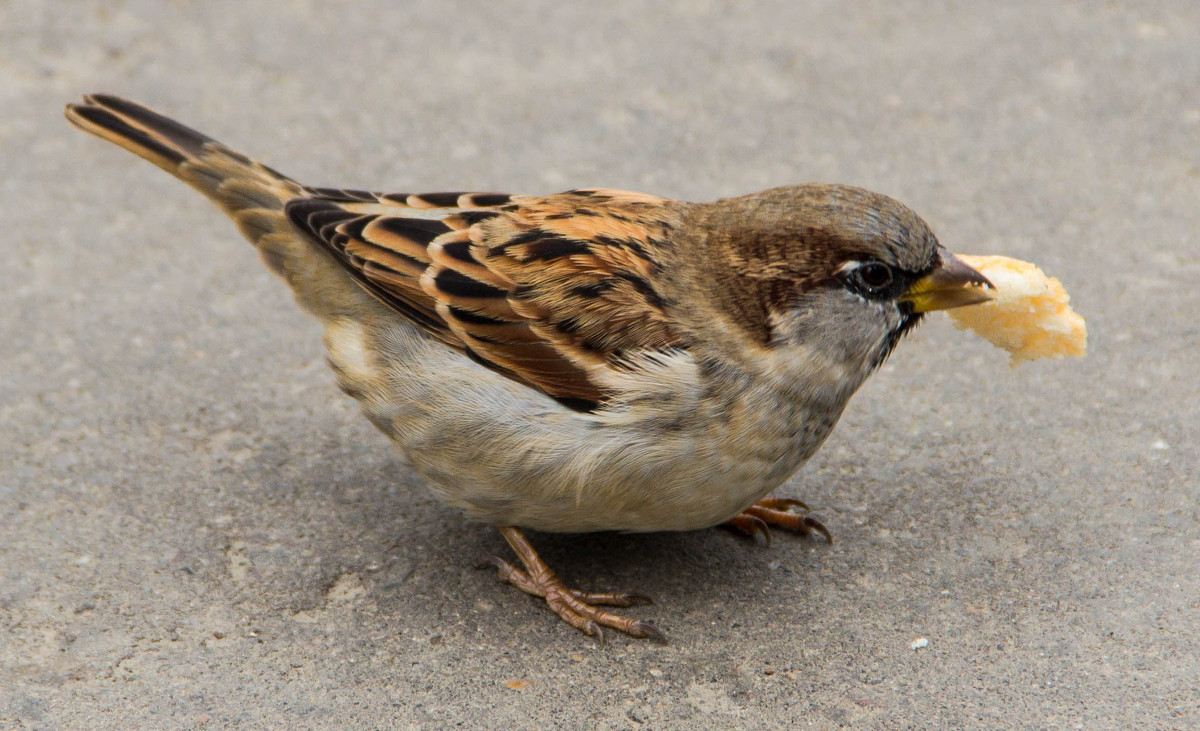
<point x="1030" y="316"/>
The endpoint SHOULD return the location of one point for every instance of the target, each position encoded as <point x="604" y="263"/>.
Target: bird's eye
<point x="874" y="275"/>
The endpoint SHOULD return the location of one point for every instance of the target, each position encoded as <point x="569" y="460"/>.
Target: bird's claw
<point x="784" y="513"/>
<point x="578" y="608"/>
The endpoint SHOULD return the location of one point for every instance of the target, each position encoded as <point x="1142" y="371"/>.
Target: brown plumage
<point x="545" y="290"/>
<point x="589" y="360"/>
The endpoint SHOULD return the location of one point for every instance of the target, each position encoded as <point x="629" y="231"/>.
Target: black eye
<point x="874" y="275"/>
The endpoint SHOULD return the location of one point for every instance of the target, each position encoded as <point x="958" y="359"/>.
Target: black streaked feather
<point x="457" y="284"/>
<point x="460" y="250"/>
<point x="185" y="138"/>
<point x="420" y="231"/>
<point x="486" y="200"/>
<point x="109" y="121"/>
<point x="441" y="200"/>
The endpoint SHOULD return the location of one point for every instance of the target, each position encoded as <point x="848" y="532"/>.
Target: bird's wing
<point x="550" y="291"/>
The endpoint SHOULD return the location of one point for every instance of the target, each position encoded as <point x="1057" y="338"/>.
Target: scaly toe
<point x="784" y="503"/>
<point x="751" y="526"/>
<point x="572" y="605"/>
<point x="611" y="599"/>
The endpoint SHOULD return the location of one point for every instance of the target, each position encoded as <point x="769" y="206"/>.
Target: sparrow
<point x="591" y="360"/>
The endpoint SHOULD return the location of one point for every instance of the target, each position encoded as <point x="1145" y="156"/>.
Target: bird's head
<point x="829" y="275"/>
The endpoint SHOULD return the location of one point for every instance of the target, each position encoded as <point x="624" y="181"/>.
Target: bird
<point x="590" y="360"/>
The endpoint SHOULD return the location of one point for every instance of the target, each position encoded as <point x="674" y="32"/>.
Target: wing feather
<point x="549" y="291"/>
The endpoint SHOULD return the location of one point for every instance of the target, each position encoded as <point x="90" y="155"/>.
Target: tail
<point x="250" y="193"/>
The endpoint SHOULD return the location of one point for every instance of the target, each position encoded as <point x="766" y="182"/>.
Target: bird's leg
<point x="572" y="605"/>
<point x="781" y="512"/>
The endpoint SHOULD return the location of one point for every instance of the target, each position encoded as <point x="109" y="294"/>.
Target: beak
<point x="952" y="284"/>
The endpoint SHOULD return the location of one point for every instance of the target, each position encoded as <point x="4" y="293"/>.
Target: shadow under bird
<point x="589" y="360"/>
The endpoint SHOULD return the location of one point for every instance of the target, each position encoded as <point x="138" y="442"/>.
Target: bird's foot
<point x="577" y="608"/>
<point x="780" y="512"/>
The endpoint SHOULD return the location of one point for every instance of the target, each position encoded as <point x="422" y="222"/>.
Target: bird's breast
<point x="688" y="455"/>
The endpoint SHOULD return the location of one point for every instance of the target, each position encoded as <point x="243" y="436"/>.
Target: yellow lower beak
<point x="952" y="284"/>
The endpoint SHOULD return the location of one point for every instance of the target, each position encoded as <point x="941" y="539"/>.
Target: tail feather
<point x="250" y="193"/>
<point x="232" y="180"/>
<point x="104" y="109"/>
<point x="103" y="123"/>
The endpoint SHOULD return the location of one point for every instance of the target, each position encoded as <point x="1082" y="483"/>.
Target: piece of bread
<point x="1030" y="316"/>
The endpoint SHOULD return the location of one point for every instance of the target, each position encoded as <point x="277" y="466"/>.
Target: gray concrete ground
<point x="198" y="530"/>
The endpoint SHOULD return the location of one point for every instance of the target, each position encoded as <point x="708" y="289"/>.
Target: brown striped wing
<point x="550" y="291"/>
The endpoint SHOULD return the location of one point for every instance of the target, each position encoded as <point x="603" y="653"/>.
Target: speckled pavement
<point x="197" y="530"/>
